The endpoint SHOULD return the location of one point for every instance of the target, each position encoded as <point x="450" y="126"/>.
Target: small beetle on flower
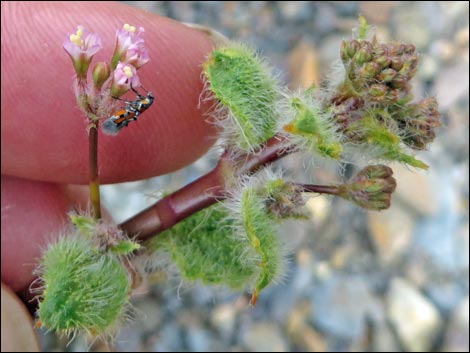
<point x="130" y="112"/>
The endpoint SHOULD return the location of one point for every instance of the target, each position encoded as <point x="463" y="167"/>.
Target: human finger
<point x="43" y="132"/>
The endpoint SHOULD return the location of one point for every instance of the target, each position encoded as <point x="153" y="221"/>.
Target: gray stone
<point x="147" y="314"/>
<point x="414" y="318"/>
<point x="456" y="339"/>
<point x="383" y="339"/>
<point x="391" y="232"/>
<point x="340" y="305"/>
<point x="129" y="339"/>
<point x="412" y="27"/>
<point x="377" y="12"/>
<point x="264" y="337"/>
<point x="170" y="338"/>
<point x="446" y="292"/>
<point x="436" y="238"/>
<point x="198" y="339"/>
<point x="450" y="86"/>
<point x="417" y="189"/>
<point x="223" y="319"/>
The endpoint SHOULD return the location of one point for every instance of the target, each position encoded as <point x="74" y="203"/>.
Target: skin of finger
<point x="33" y="214"/>
<point x="17" y="326"/>
<point x="43" y="133"/>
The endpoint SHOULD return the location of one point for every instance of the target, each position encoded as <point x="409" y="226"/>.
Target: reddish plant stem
<point x="93" y="172"/>
<point x="204" y="191"/>
<point x="173" y="208"/>
<point x="320" y="189"/>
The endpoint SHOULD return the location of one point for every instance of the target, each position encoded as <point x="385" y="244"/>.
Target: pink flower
<point x="81" y="47"/>
<point x="125" y="76"/>
<point x="130" y="47"/>
<point x="128" y="35"/>
<point x="136" y="55"/>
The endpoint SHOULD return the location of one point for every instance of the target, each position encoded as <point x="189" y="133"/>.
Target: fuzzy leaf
<point x="83" y="289"/>
<point x="204" y="248"/>
<point x="244" y="84"/>
<point x="313" y="128"/>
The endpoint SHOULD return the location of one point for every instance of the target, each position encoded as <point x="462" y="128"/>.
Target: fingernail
<point x="217" y="38"/>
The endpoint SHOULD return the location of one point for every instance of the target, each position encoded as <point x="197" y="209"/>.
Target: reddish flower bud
<point x="371" y="188"/>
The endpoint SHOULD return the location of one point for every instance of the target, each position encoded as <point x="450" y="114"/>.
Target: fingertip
<point x="18" y="334"/>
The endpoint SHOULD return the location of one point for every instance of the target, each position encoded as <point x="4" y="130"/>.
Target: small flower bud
<point x="353" y="47"/>
<point x="371" y="188"/>
<point x="393" y="95"/>
<point x="386" y="75"/>
<point x="382" y="50"/>
<point x="383" y="61"/>
<point x="101" y="73"/>
<point x="396" y="63"/>
<point x="284" y="200"/>
<point x="400" y="49"/>
<point x="362" y="56"/>
<point x="373" y="172"/>
<point x="399" y="81"/>
<point x="409" y="68"/>
<point x="369" y="70"/>
<point x="343" y="52"/>
<point x="378" y="91"/>
<point x="349" y="49"/>
<point x="419" y="127"/>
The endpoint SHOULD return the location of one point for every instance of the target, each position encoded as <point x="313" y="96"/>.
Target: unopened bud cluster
<point x="420" y="123"/>
<point x="378" y="72"/>
<point x="373" y="104"/>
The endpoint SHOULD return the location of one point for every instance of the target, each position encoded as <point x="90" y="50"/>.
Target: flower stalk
<point x="108" y="81"/>
<point x="93" y="170"/>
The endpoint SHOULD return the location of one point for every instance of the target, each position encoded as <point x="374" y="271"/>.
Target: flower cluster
<point x="109" y="80"/>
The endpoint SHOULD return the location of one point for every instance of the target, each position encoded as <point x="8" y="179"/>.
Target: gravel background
<point x="357" y="281"/>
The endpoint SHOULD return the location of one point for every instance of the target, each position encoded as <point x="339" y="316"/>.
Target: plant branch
<point x="206" y="190"/>
<point x="173" y="208"/>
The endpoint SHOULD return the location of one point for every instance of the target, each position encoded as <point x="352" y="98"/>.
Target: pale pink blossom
<point x="124" y="76"/>
<point x="81" y="47"/>
<point x="136" y="55"/>
<point x="130" y="46"/>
